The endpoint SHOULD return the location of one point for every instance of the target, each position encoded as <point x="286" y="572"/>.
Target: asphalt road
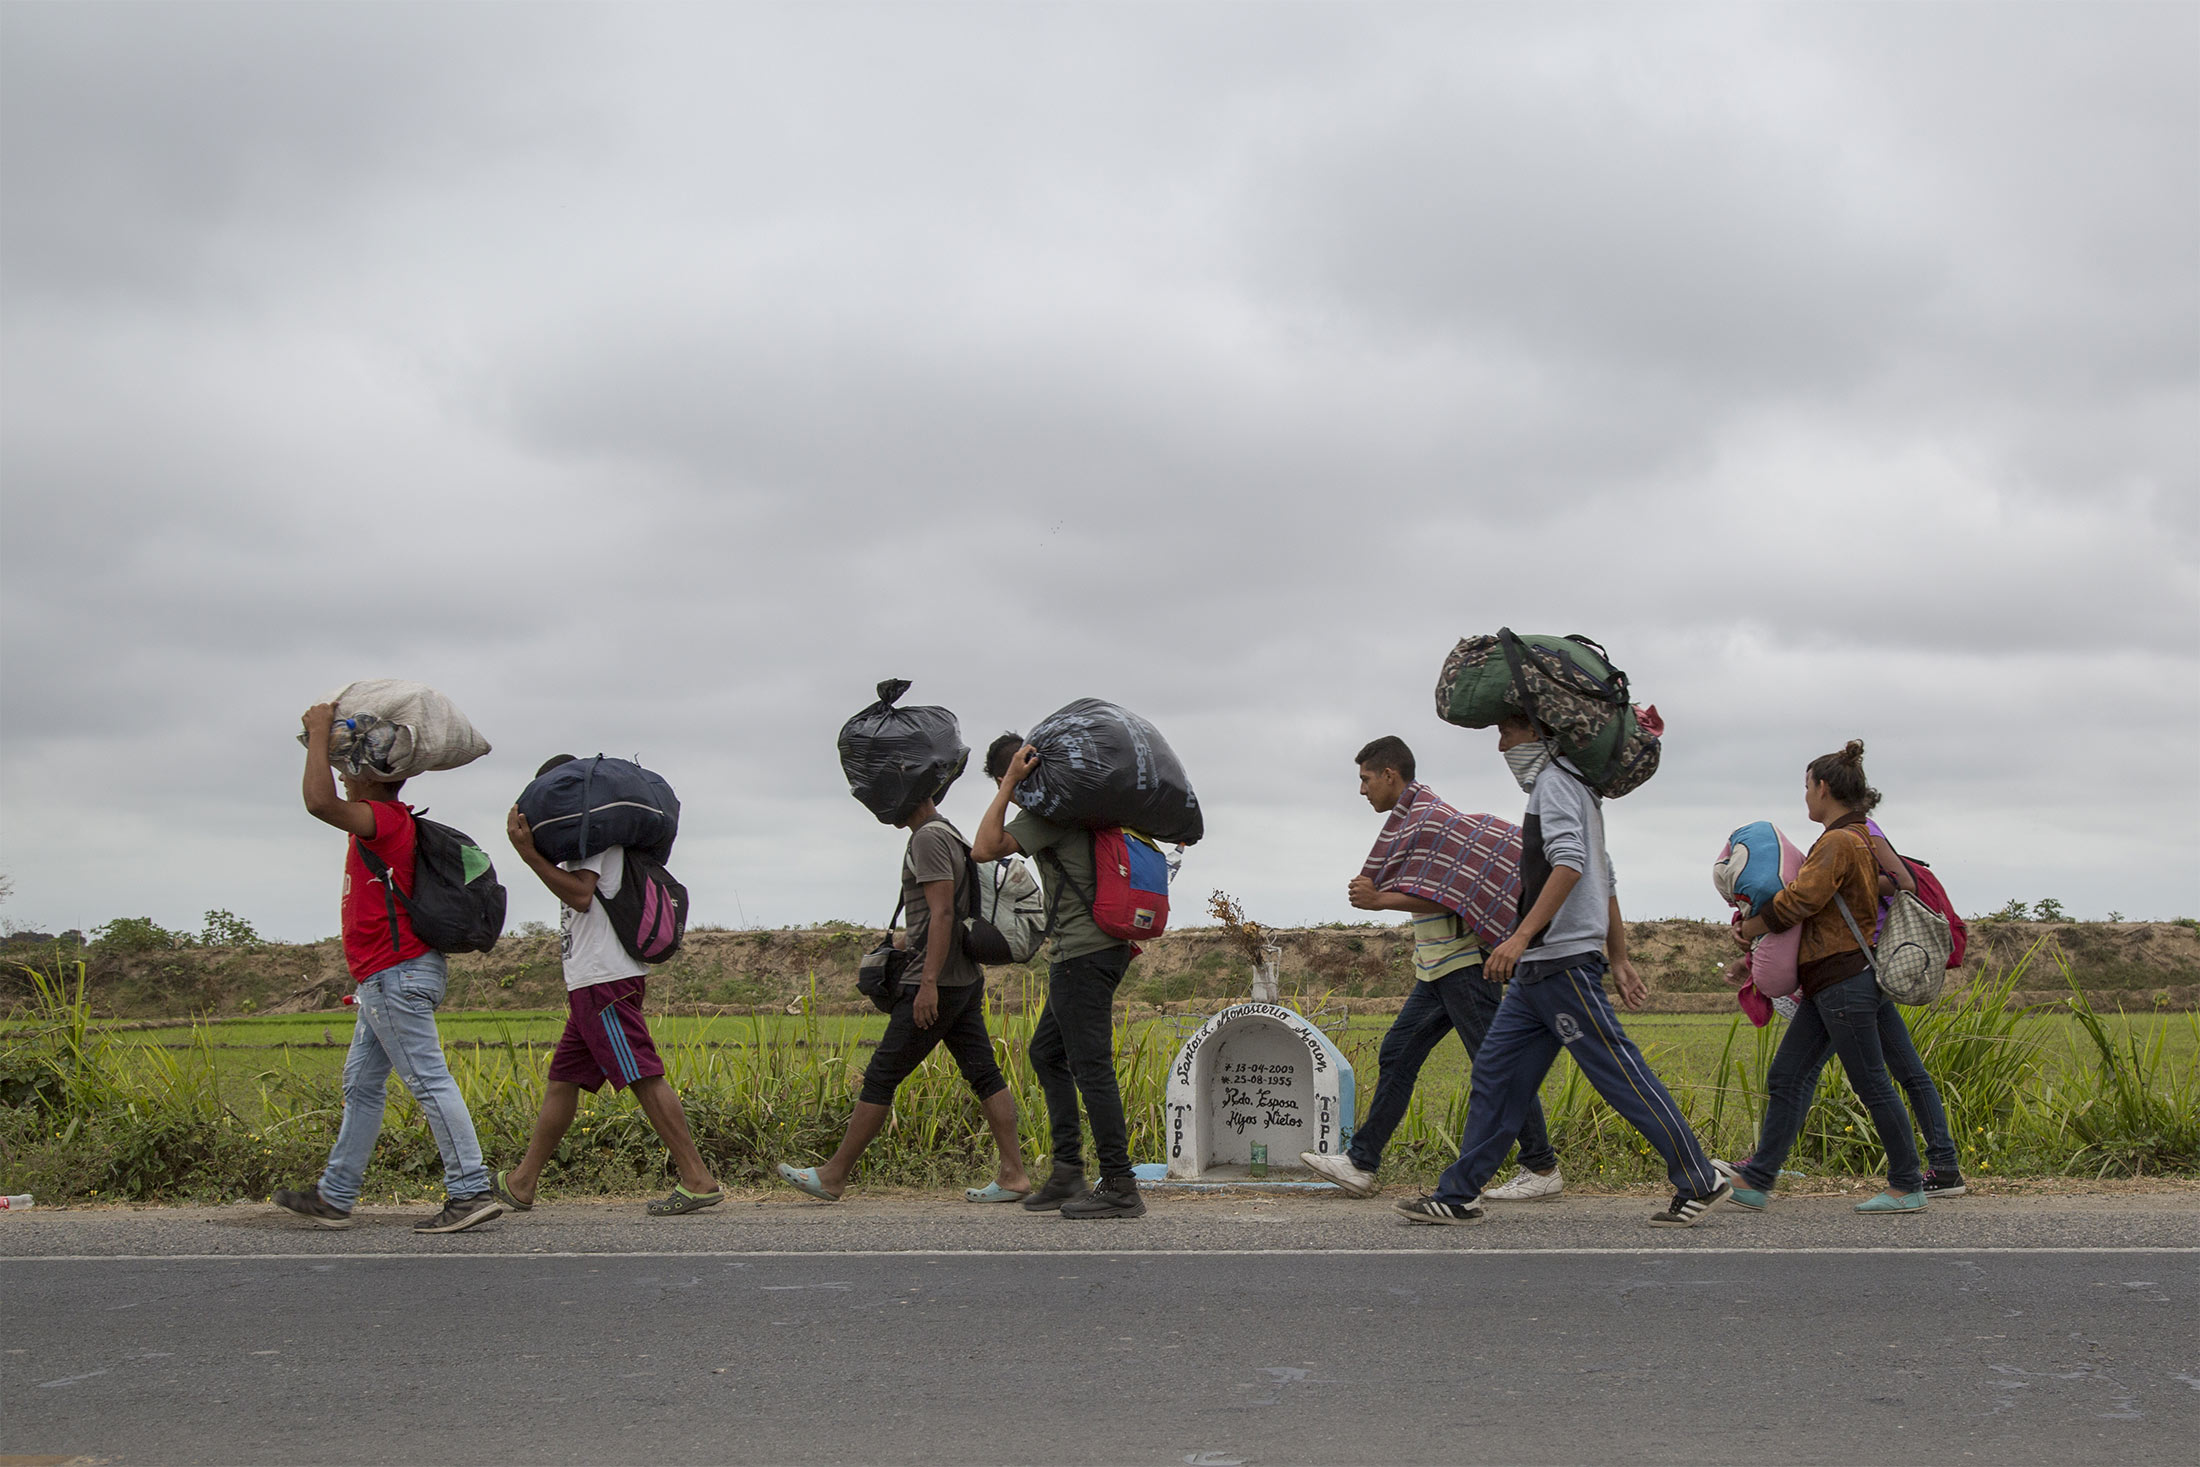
<point x="1216" y="1331"/>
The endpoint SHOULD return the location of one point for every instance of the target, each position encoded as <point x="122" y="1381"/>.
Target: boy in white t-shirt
<point x="605" y="1036"/>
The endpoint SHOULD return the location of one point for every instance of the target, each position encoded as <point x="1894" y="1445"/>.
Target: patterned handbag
<point x="1914" y="943"/>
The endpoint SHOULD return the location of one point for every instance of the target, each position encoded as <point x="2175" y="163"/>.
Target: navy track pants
<point x="1567" y="1008"/>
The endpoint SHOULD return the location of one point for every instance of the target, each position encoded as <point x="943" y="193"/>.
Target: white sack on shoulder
<point x="387" y="728"/>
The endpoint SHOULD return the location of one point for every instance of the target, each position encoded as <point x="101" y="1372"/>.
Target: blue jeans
<point x="1466" y="1002"/>
<point x="1908" y="1070"/>
<point x="1566" y="1009"/>
<point x="1843" y="1019"/>
<point x="396" y="1030"/>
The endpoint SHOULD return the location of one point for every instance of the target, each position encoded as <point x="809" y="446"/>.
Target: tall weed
<point x="82" y="1116"/>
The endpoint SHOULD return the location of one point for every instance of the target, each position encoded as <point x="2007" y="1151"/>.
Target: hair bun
<point x="1854" y="753"/>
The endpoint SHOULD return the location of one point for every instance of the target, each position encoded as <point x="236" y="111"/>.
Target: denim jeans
<point x="1464" y="1002"/>
<point x="1073" y="1051"/>
<point x="396" y="1030"/>
<point x="1845" y="1020"/>
<point x="1908" y="1070"/>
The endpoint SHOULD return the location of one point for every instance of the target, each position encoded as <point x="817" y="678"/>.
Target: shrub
<point x="226" y="929"/>
<point x="137" y="935"/>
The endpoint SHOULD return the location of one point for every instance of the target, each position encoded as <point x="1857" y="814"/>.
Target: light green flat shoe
<point x="1907" y="1202"/>
<point x="804" y="1179"/>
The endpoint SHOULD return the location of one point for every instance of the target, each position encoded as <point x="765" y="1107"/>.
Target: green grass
<point x="1685" y="1049"/>
<point x="240" y="1107"/>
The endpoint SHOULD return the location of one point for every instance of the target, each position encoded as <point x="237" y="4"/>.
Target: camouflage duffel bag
<point x="1565" y="684"/>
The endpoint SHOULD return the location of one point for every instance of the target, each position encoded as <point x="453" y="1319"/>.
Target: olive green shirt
<point x="1065" y="851"/>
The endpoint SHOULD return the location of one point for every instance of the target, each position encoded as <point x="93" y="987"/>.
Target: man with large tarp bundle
<point x="1091" y="773"/>
<point x="1458" y="877"/>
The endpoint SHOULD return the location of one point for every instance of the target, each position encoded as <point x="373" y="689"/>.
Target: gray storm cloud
<point x="656" y="379"/>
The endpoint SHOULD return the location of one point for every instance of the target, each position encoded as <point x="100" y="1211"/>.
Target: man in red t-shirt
<point x="401" y="981"/>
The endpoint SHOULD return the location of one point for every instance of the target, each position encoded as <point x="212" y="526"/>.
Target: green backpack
<point x="1567" y="685"/>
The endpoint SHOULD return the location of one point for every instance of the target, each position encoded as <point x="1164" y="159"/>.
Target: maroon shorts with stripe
<point x="605" y="1038"/>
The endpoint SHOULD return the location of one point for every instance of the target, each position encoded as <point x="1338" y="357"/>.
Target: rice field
<point x="1683" y="1048"/>
<point x="237" y="1108"/>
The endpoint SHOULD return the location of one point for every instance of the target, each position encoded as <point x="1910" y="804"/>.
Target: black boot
<point x="1114" y="1197"/>
<point x="1065" y="1183"/>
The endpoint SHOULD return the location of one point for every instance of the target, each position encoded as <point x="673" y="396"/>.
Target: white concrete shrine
<point x="1256" y="1072"/>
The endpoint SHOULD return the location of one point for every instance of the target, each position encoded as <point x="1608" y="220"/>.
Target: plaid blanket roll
<point x="1469" y="864"/>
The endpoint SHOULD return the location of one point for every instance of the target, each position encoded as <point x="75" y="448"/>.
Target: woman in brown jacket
<point x="1839" y="992"/>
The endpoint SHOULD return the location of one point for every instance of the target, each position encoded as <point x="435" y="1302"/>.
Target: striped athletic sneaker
<point x="1686" y="1212"/>
<point x="1435" y="1210"/>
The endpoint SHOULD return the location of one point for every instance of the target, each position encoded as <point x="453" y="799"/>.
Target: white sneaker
<point x="1528" y="1186"/>
<point x="1339" y="1169"/>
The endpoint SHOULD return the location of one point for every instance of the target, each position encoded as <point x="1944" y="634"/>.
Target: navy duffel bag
<point x="590" y="805"/>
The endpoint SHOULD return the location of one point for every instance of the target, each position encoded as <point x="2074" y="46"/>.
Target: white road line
<point x="825" y="1253"/>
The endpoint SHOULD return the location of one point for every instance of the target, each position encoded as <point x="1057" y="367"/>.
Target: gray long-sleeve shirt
<point x="1564" y="826"/>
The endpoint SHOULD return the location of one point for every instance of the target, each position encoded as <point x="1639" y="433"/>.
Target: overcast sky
<point x="656" y="380"/>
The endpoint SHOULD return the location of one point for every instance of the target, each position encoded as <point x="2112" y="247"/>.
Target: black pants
<point x="960" y="1026"/>
<point x="1073" y="1050"/>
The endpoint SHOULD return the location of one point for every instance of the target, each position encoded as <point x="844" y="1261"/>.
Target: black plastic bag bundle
<point x="586" y="806"/>
<point x="1101" y="764"/>
<point x="897" y="758"/>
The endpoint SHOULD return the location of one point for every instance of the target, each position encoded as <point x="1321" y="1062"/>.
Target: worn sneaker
<point x="1944" y="1184"/>
<point x="1339" y="1169"/>
<point x="1686" y="1212"/>
<point x="1060" y="1187"/>
<point x="1114" y="1197"/>
<point x="310" y="1203"/>
<point x="1528" y="1186"/>
<point x="461" y="1213"/>
<point x="1435" y="1210"/>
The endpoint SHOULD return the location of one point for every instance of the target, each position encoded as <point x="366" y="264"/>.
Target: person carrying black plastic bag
<point x="1073" y="1047"/>
<point x="900" y="762"/>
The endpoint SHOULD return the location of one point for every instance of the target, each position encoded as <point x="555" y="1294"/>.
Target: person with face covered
<point x="1554" y="965"/>
<point x="1437" y="865"/>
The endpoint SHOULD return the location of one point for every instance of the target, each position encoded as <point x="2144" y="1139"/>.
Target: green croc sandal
<point x="504" y="1193"/>
<point x="683" y="1201"/>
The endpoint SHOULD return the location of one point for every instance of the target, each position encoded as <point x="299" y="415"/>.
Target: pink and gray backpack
<point x="650" y="912"/>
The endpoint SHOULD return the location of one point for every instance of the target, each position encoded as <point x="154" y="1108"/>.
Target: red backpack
<point x="1934" y="898"/>
<point x="1132" y="902"/>
<point x="1931" y="895"/>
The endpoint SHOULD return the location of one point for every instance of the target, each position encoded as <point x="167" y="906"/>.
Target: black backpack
<point x="649" y="915"/>
<point x="457" y="903"/>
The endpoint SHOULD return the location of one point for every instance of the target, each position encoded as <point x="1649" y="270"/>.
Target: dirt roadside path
<point x="2161" y="1215"/>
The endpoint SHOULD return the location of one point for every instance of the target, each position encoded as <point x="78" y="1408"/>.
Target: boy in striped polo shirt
<point x="605" y="1036"/>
